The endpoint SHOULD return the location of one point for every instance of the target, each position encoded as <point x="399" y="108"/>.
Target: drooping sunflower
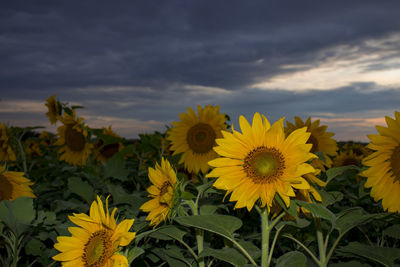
<point x="320" y="139"/>
<point x="162" y="192"/>
<point x="104" y="152"/>
<point x="97" y="240"/>
<point x="75" y="148"/>
<point x="6" y="150"/>
<point x="54" y="110"/>
<point x="194" y="136"/>
<point x="384" y="164"/>
<point x="14" y="185"/>
<point x="260" y="162"/>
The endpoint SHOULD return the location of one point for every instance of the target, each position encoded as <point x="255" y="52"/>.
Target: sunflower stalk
<point x="321" y="244"/>
<point x="199" y="233"/>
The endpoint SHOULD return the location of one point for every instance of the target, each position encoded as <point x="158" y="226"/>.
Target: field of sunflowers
<point x="202" y="193"/>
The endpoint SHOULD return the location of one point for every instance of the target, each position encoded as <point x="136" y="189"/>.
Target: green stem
<point x="321" y="243"/>
<point x="199" y="233"/>
<point x="243" y="251"/>
<point x="274" y="242"/>
<point x="304" y="247"/>
<point x="333" y="247"/>
<point x="265" y="238"/>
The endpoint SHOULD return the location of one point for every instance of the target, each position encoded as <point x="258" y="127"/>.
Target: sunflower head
<point x="260" y="162"/>
<point x="54" y="109"/>
<point x="345" y="158"/>
<point x="384" y="164"/>
<point x="6" y="150"/>
<point x="32" y="148"/>
<point x="74" y="146"/>
<point x="97" y="240"/>
<point x="14" y="185"/>
<point x="105" y="150"/>
<point x="162" y="191"/>
<point x="320" y="139"/>
<point x="194" y="136"/>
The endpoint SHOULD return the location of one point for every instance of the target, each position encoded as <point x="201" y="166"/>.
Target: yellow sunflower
<point x="260" y="162"/>
<point x="384" y="164"/>
<point x="321" y="140"/>
<point x="14" y="185"/>
<point x="194" y="136"/>
<point x="6" y="151"/>
<point x="75" y="148"/>
<point x="162" y="192"/>
<point x="97" y="240"/>
<point x="32" y="148"/>
<point x="345" y="158"/>
<point x="104" y="152"/>
<point x="54" y="110"/>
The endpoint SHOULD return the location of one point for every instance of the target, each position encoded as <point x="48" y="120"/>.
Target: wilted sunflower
<point x="14" y="185"/>
<point x="321" y="140"/>
<point x="54" y="110"/>
<point x="260" y="162"/>
<point x="194" y="137"/>
<point x="75" y="148"/>
<point x="384" y="164"/>
<point x="162" y="192"/>
<point x="6" y="151"/>
<point x="97" y="240"/>
<point x="32" y="148"/>
<point x="104" y="152"/>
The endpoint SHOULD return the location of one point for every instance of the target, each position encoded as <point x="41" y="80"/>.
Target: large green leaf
<point x="81" y="188"/>
<point x="115" y="167"/>
<point x="134" y="253"/>
<point x="229" y="255"/>
<point x="329" y="198"/>
<point x="317" y="210"/>
<point x="382" y="255"/>
<point x="223" y="225"/>
<point x="334" y="172"/>
<point x="393" y="231"/>
<point x="17" y="214"/>
<point x="350" y="218"/>
<point x="292" y="259"/>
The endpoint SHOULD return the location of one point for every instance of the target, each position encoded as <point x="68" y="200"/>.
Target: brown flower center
<point x="314" y="141"/>
<point x="395" y="163"/>
<point x="6" y="188"/>
<point x="98" y="249"/>
<point x="201" y="138"/>
<point x="74" y="140"/>
<point x="264" y="165"/>
<point x="109" y="150"/>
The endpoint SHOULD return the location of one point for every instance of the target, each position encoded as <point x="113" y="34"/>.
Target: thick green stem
<point x="199" y="233"/>
<point x="321" y="243"/>
<point x="265" y="238"/>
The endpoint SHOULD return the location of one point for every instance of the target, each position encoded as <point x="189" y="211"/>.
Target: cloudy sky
<point x="137" y="64"/>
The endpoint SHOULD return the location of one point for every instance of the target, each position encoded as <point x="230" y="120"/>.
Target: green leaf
<point x="317" y="210"/>
<point x="382" y="255"/>
<point x="187" y="195"/>
<point x="172" y="231"/>
<point x="34" y="247"/>
<point x="81" y="188"/>
<point x="229" y="255"/>
<point x="349" y="264"/>
<point x="17" y="214"/>
<point x="208" y="209"/>
<point x="134" y="253"/>
<point x="223" y="225"/>
<point x="329" y="198"/>
<point x="115" y="167"/>
<point x="334" y="172"/>
<point x="292" y="210"/>
<point x="393" y="231"/>
<point x="292" y="259"/>
<point x="350" y="218"/>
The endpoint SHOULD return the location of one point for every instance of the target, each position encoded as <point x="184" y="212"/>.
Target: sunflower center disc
<point x="312" y="140"/>
<point x="264" y="164"/>
<point x="74" y="139"/>
<point x="6" y="188"/>
<point x="98" y="249"/>
<point x="395" y="163"/>
<point x="201" y="138"/>
<point x="109" y="150"/>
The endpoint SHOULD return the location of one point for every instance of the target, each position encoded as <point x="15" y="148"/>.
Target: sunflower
<point x="75" y="148"/>
<point x="97" y="240"/>
<point x="345" y="158"/>
<point x="321" y="140"/>
<point x="104" y="152"/>
<point x="54" y="110"/>
<point x="46" y="138"/>
<point x="260" y="162"/>
<point x="162" y="192"/>
<point x="32" y="148"/>
<point x="6" y="151"/>
<point x="194" y="136"/>
<point x="384" y="164"/>
<point x="13" y="185"/>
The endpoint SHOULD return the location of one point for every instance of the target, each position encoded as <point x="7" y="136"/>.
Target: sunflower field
<point x="202" y="193"/>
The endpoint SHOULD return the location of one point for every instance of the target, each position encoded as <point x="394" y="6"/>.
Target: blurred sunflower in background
<point x="46" y="138"/>
<point x="194" y="136"/>
<point x="14" y="185"/>
<point x="345" y="158"/>
<point x="6" y="150"/>
<point x="97" y="240"/>
<point x="383" y="174"/>
<point x="104" y="149"/>
<point x="32" y="148"/>
<point x="162" y="192"/>
<point x="261" y="161"/>
<point x="74" y="146"/>
<point x="320" y="139"/>
<point x="54" y="109"/>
